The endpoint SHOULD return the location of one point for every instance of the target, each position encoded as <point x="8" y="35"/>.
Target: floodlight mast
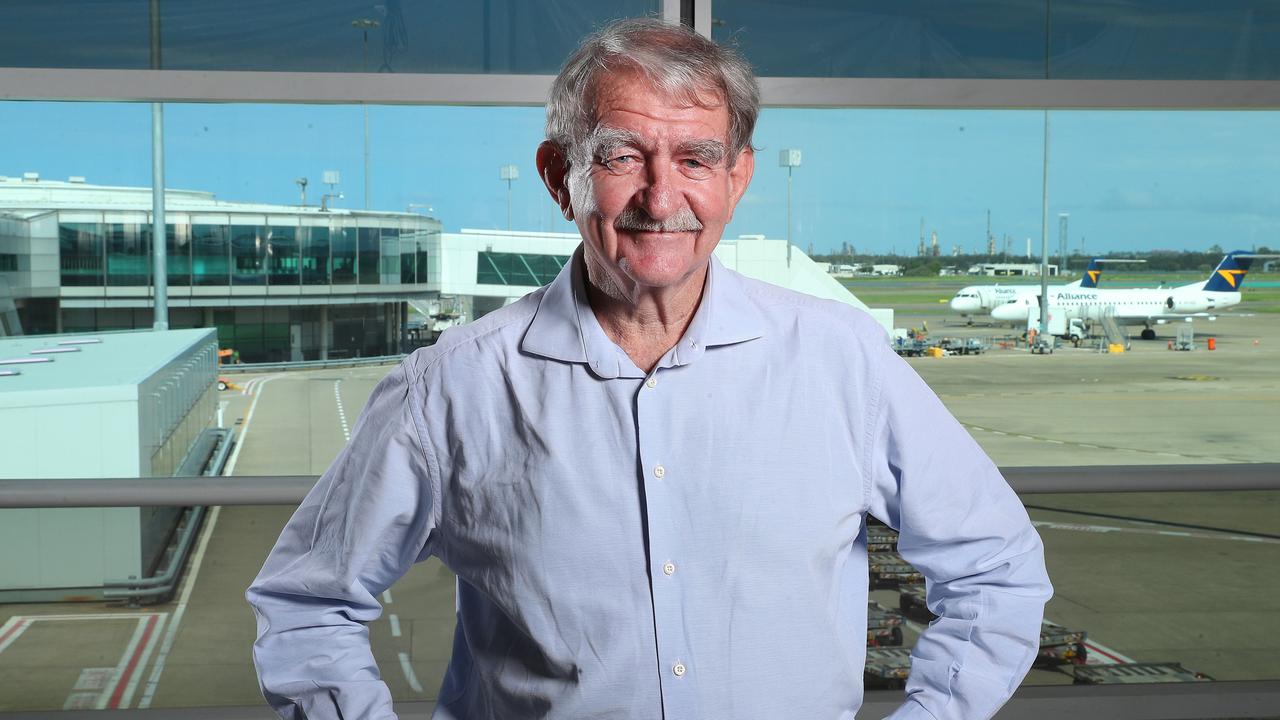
<point x="789" y="159"/>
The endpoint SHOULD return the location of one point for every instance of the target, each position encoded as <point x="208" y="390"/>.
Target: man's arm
<point x="370" y="517"/>
<point x="962" y="526"/>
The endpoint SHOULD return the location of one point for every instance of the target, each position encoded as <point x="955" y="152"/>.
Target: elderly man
<point x="652" y="476"/>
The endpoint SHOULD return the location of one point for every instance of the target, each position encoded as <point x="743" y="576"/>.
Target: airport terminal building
<point x="285" y="283"/>
<point x="279" y="282"/>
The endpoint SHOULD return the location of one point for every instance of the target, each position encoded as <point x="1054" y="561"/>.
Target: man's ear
<point x="553" y="168"/>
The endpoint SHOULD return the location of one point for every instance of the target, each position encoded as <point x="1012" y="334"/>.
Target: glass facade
<point x="1080" y="39"/>
<point x="494" y="36"/>
<point x="81" y="247"/>
<point x="494" y="268"/>
<point x="209" y="255"/>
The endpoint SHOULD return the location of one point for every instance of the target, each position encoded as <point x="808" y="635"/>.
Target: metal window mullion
<point x="489" y="259"/>
<point x="532" y="275"/>
<point x="479" y="89"/>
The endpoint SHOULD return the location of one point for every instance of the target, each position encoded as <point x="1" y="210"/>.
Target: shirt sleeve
<point x="963" y="527"/>
<point x="369" y="518"/>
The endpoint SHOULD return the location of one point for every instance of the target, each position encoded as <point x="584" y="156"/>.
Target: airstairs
<point x="1112" y="333"/>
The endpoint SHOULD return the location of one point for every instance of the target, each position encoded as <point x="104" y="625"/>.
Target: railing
<point x="308" y="364"/>
<point x="290" y="489"/>
<point x="1208" y="701"/>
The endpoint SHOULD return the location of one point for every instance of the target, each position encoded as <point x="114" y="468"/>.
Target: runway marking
<point x="125" y="679"/>
<point x="395" y="624"/>
<point x="1105" y="529"/>
<point x="12" y="630"/>
<point x="386" y="596"/>
<point x="1090" y="446"/>
<point x="188" y="583"/>
<point x="100" y="688"/>
<point x="342" y="413"/>
<point x="206" y="532"/>
<point x="409" y="675"/>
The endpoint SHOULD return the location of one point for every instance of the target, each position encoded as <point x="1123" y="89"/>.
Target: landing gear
<point x="1148" y="334"/>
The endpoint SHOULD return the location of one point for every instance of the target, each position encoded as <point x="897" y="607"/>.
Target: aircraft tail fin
<point x="1229" y="275"/>
<point x="1091" y="274"/>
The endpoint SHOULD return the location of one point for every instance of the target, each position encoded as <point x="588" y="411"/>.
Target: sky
<point x="1129" y="180"/>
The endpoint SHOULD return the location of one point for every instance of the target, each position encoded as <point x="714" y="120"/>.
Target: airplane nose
<point x="963" y="304"/>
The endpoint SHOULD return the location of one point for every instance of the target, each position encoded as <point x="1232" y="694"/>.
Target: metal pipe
<point x="290" y="489"/>
<point x="159" y="237"/>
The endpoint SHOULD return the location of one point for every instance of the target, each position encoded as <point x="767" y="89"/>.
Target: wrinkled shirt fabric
<point x="687" y="543"/>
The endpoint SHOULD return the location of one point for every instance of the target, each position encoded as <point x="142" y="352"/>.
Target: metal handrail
<point x="309" y="364"/>
<point x="1168" y="701"/>
<point x="290" y="489"/>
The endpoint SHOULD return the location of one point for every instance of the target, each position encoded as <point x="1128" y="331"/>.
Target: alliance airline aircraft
<point x="1141" y="306"/>
<point x="976" y="299"/>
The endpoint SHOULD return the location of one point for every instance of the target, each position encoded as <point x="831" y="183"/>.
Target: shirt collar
<point x="565" y="328"/>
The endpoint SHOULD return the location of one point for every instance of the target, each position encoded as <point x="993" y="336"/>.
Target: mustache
<point x="635" y="219"/>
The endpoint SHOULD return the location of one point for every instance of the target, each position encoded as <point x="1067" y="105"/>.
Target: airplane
<point x="975" y="299"/>
<point x="1142" y="306"/>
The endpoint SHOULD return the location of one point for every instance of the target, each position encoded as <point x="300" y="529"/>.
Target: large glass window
<point x="343" y="244"/>
<point x="315" y="255"/>
<point x="282" y="254"/>
<point x="1094" y="39"/>
<point x="389" y="260"/>
<point x="408" y="257"/>
<point x="496" y="268"/>
<point x="178" y="254"/>
<point x="498" y="36"/>
<point x="128" y="254"/>
<point x="370" y="245"/>
<point x="211" y="254"/>
<point x="248" y="254"/>
<point x="81" y="247"/>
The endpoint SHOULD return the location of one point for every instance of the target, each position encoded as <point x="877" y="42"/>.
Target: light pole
<point x="508" y="173"/>
<point x="364" y="25"/>
<point x="789" y="159"/>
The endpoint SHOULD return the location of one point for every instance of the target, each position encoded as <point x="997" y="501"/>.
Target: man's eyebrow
<point x="710" y="152"/>
<point x="604" y="140"/>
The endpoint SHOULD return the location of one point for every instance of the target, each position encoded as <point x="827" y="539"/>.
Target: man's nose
<point x="659" y="197"/>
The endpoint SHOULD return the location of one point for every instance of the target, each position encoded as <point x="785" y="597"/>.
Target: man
<point x="652" y="476"/>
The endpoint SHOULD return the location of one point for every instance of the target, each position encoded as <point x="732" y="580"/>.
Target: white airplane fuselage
<point x="1130" y="306"/>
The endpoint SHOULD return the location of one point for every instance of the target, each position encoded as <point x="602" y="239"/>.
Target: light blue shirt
<point x="689" y="543"/>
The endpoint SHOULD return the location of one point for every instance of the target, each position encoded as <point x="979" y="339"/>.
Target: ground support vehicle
<point x="1134" y="673"/>
<point x="910" y="347"/>
<point x="962" y="346"/>
<point x="881" y="539"/>
<point x="889" y="570"/>
<point x="884" y="626"/>
<point x="911" y="602"/>
<point x="1060" y="646"/>
<point x="887" y="668"/>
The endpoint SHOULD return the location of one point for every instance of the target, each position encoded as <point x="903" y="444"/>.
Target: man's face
<point x="656" y="186"/>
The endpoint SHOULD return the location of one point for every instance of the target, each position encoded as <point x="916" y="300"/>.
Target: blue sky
<point x="1129" y="180"/>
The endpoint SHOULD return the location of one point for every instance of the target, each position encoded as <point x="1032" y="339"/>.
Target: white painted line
<point x="1054" y="442"/>
<point x="1026" y="437"/>
<point x="1087" y="445"/>
<point x="244" y="429"/>
<point x="126" y="659"/>
<point x="395" y="624"/>
<point x="342" y="413"/>
<point x="386" y="596"/>
<point x="1103" y="529"/>
<point x="222" y="407"/>
<point x="1097" y="648"/>
<point x="132" y="687"/>
<point x="187" y="584"/>
<point x="997" y="432"/>
<point x="12" y="630"/>
<point x="409" y="674"/>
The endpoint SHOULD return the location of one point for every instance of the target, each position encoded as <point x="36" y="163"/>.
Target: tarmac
<point x="1183" y="577"/>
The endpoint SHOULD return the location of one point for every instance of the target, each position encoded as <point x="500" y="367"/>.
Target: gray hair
<point x="677" y="60"/>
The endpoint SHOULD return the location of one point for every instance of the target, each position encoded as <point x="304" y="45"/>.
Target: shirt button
<point x="651" y="383"/>
<point x="678" y="669"/>
<point x="659" y="472"/>
<point x="669" y="568"/>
